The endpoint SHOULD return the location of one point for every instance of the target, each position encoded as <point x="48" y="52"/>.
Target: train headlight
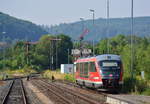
<point x="95" y="77"/>
<point x="110" y="75"/>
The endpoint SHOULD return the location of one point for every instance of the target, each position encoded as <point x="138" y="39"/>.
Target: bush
<point x="69" y="77"/>
<point x="146" y="92"/>
<point x="128" y="86"/>
<point x="141" y="85"/>
<point x="135" y="86"/>
<point x="16" y="72"/>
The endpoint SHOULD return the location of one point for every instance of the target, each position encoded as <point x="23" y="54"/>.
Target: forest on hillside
<point x="12" y="29"/>
<point x="99" y="30"/>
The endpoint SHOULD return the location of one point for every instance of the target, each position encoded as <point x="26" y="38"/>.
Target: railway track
<point x="67" y="96"/>
<point x="107" y="96"/>
<point x="15" y="94"/>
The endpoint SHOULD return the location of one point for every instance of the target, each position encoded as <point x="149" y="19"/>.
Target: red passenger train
<point x="102" y="71"/>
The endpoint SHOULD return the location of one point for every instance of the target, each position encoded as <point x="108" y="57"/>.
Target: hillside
<point x="13" y="28"/>
<point x="99" y="31"/>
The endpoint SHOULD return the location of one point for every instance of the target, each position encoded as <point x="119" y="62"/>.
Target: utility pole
<point x="93" y="12"/>
<point x="56" y="54"/>
<point x="68" y="56"/>
<point x="27" y="50"/>
<point x="81" y="44"/>
<point x="108" y="50"/>
<point x="132" y="42"/>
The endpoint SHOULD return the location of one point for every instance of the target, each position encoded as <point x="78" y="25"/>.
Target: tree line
<point x="38" y="55"/>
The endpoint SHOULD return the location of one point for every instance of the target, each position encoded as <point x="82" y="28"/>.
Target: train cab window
<point x="92" y="67"/>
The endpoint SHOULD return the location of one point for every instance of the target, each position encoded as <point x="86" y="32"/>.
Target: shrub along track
<point x="15" y="94"/>
<point x="63" y="95"/>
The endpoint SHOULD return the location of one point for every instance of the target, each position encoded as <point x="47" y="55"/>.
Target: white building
<point x="67" y="68"/>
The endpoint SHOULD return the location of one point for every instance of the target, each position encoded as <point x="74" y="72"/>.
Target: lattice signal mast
<point x="52" y="42"/>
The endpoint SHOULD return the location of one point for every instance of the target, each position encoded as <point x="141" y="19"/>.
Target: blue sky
<point x="52" y="12"/>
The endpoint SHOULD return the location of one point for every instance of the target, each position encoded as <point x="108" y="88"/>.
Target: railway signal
<point x="51" y="58"/>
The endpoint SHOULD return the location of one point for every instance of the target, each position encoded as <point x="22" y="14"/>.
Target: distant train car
<point x="102" y="71"/>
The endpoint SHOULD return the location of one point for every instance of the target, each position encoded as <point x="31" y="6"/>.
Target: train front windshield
<point x="107" y="64"/>
<point x="110" y="69"/>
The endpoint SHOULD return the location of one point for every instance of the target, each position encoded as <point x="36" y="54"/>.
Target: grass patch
<point x="146" y="92"/>
<point x="8" y="73"/>
<point x="58" y="75"/>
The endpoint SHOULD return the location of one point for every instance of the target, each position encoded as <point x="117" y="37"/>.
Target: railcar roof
<point x="108" y="57"/>
<point x="104" y="57"/>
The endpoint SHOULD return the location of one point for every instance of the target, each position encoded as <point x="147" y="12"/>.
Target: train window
<point x="77" y="67"/>
<point x="81" y="68"/>
<point x="92" y="67"/>
<point x="86" y="69"/>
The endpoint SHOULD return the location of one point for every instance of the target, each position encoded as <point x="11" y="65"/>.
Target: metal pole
<point x="93" y="39"/>
<point x="50" y="55"/>
<point x="3" y="52"/>
<point x="132" y="48"/>
<point x="93" y="12"/>
<point x="56" y="53"/>
<point x="82" y="37"/>
<point x="108" y="50"/>
<point x="53" y="54"/>
<point x="68" y="56"/>
<point x="93" y="17"/>
<point x="27" y="53"/>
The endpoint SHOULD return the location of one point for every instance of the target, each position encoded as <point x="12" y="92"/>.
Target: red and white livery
<point x="102" y="71"/>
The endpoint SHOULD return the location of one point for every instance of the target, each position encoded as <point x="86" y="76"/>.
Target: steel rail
<point x="5" y="99"/>
<point x="23" y="93"/>
<point x="72" y="93"/>
<point x="7" y="93"/>
<point x="55" y="93"/>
